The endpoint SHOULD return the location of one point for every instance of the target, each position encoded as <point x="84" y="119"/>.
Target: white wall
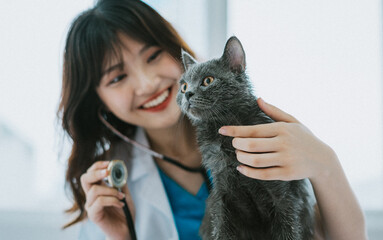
<point x="322" y="62"/>
<point x="32" y="38"/>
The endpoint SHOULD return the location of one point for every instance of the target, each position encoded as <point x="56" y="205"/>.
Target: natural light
<point x="321" y="61"/>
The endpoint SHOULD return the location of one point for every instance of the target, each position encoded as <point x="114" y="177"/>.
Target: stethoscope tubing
<point x="128" y="216"/>
<point x="145" y="148"/>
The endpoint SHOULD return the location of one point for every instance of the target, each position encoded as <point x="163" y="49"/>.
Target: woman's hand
<point x="283" y="150"/>
<point x="287" y="150"/>
<point x="103" y="204"/>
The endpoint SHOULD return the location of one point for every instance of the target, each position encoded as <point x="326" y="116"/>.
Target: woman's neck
<point x="178" y="142"/>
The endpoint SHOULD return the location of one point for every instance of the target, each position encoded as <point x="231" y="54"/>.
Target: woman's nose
<point x="146" y="84"/>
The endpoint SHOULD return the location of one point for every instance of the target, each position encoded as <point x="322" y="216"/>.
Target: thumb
<point x="275" y="113"/>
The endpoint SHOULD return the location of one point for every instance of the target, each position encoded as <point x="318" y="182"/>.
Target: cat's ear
<point x="234" y="55"/>
<point x="187" y="59"/>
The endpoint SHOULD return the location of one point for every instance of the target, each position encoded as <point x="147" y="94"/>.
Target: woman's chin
<point x="172" y="120"/>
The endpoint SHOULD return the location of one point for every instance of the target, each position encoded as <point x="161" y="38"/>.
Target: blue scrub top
<point x="188" y="209"/>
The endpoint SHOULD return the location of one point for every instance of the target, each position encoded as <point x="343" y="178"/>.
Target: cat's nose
<point x="188" y="95"/>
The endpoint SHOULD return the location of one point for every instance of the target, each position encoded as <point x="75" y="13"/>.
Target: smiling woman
<point x="31" y="115"/>
<point x="124" y="74"/>
<point x="144" y="84"/>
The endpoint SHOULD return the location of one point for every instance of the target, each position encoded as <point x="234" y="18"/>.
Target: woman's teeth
<point x="158" y="100"/>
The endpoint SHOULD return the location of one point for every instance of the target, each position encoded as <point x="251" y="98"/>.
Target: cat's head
<point x="211" y="89"/>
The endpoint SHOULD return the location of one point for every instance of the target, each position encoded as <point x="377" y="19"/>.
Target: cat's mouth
<point x="198" y="107"/>
<point x="193" y="114"/>
<point x="193" y="111"/>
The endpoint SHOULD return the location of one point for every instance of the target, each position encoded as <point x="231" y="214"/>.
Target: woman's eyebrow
<point x="112" y="68"/>
<point x="144" y="48"/>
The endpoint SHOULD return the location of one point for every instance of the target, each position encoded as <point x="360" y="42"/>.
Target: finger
<point x="275" y="113"/>
<point x="98" y="165"/>
<point x="253" y="145"/>
<point x="96" y="191"/>
<point x="258" y="160"/>
<point x="273" y="173"/>
<point x="91" y="177"/>
<point x="267" y="130"/>
<point x="104" y="201"/>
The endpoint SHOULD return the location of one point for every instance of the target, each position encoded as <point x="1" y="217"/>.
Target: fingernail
<point x="222" y="130"/>
<point x="121" y="195"/>
<point x="240" y="168"/>
<point x="103" y="172"/>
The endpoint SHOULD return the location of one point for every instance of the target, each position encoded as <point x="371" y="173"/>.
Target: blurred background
<point x="321" y="61"/>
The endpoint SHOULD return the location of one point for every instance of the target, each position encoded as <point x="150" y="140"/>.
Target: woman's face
<point x="141" y="90"/>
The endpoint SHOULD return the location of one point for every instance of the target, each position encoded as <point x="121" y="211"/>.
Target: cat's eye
<point x="184" y="86"/>
<point x="207" y="81"/>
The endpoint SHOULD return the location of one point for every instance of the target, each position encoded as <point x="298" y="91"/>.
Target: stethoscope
<point x="146" y="149"/>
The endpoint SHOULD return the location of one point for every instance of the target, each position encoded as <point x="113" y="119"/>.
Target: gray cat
<point x="217" y="93"/>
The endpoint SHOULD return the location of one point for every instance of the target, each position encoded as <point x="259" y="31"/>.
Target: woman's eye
<point x="207" y="81"/>
<point x="154" y="55"/>
<point x="118" y="78"/>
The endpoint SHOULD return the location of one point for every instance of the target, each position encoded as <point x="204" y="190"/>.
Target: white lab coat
<point x="153" y="214"/>
<point x="154" y="218"/>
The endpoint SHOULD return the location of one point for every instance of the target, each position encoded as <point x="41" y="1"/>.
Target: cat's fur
<point x="238" y="207"/>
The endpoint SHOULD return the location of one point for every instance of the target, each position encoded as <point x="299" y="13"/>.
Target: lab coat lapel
<point x="144" y="173"/>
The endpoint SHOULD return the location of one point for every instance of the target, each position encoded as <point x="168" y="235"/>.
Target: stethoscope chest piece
<point x="118" y="174"/>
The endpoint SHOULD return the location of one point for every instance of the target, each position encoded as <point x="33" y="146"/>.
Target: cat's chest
<point x="217" y="151"/>
<point x="210" y="139"/>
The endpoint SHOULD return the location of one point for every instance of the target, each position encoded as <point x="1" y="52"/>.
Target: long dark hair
<point x="91" y="42"/>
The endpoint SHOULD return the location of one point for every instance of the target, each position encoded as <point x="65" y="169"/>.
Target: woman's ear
<point x="104" y="108"/>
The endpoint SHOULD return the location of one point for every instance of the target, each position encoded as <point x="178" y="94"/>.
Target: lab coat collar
<point x="142" y="163"/>
<point x="144" y="174"/>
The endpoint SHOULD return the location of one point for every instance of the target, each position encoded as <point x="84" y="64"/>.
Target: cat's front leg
<point x="287" y="225"/>
<point x="206" y="228"/>
<point x="216" y="225"/>
<point x="212" y="157"/>
<point x="214" y="222"/>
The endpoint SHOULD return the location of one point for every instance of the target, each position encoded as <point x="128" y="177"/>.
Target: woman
<point x="122" y="60"/>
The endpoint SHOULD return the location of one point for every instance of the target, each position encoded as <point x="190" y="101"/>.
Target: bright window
<point x="321" y="61"/>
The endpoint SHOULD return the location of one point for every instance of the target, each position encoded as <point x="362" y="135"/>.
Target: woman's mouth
<point x="158" y="103"/>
